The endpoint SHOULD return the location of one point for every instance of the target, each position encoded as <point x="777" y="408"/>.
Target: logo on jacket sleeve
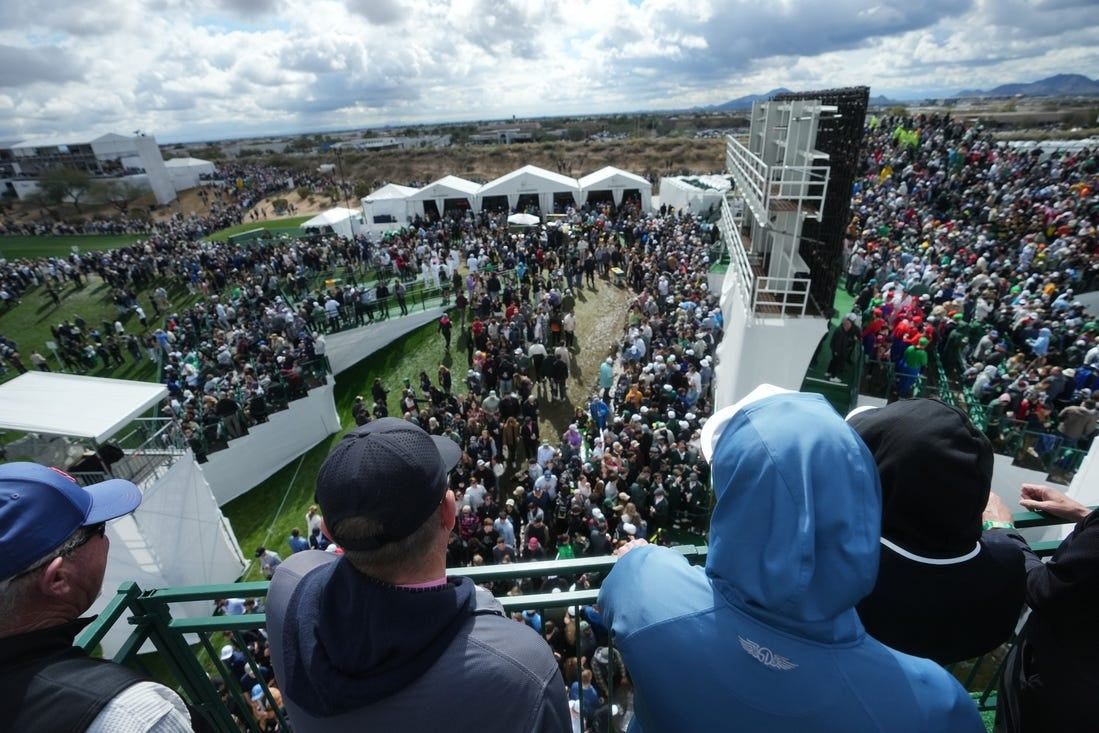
<point x="765" y="656"/>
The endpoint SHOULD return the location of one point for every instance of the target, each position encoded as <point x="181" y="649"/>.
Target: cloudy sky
<point x="202" y="69"/>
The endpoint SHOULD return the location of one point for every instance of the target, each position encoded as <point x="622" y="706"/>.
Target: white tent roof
<point x="611" y="177"/>
<point x="329" y="218"/>
<point x="529" y="179"/>
<point x="67" y="404"/>
<point x="390" y="191"/>
<point x="447" y="187"/>
<point x="186" y="162"/>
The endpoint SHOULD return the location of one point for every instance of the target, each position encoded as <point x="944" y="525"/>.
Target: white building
<point x="130" y="158"/>
<point x="188" y="172"/>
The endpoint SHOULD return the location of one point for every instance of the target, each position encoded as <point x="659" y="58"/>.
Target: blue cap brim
<point x="111" y="499"/>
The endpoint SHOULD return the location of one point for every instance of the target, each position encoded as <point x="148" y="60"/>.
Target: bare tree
<point x="119" y="194"/>
<point x="59" y="185"/>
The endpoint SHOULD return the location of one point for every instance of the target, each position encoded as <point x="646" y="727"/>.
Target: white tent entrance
<point x="531" y="185"/>
<point x="616" y="185"/>
<point x="387" y="206"/>
<point x="449" y="193"/>
<point x="339" y="220"/>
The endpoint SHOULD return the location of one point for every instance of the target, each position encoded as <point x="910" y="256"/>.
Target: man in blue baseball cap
<point x="53" y="556"/>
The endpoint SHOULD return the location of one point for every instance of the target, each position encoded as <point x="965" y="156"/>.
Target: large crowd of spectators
<point x="627" y="465"/>
<point x="970" y="253"/>
<point x="228" y="193"/>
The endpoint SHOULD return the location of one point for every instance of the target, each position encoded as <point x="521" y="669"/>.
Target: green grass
<point x="289" y="225"/>
<point x="267" y="513"/>
<point x="18" y="246"/>
<point x="28" y="323"/>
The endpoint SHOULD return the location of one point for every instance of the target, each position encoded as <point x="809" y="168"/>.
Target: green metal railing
<point x="418" y="295"/>
<point x="188" y="647"/>
<point x="182" y="642"/>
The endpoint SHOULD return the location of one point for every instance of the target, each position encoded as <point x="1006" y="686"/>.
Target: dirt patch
<point x="600" y="315"/>
<point x="315" y="204"/>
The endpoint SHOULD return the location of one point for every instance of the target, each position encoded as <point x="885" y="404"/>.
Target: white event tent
<point x="67" y="404"/>
<point x="178" y="536"/>
<point x="187" y="172"/>
<point x="387" y="207"/>
<point x="340" y="220"/>
<point x="693" y="193"/>
<point x="618" y="182"/>
<point x="531" y="180"/>
<point x="447" y="187"/>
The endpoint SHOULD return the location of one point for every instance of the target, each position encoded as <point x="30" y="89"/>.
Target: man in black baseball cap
<point x="381" y="638"/>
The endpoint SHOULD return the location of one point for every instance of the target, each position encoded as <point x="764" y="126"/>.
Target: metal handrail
<point x="749" y="171"/>
<point x="174" y="638"/>
<point x="792" y="291"/>
<point x="794" y="182"/>
<point x="151" y="615"/>
<point x="738" y="257"/>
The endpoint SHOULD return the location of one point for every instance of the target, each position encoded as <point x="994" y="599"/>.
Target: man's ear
<point x="54" y="581"/>
<point x="325" y="532"/>
<point x="449" y="515"/>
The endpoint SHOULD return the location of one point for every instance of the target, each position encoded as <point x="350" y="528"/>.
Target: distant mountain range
<point x="1061" y="85"/>
<point x="748" y="100"/>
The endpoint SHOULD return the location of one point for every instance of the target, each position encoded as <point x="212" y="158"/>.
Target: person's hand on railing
<point x="1041" y="498"/>
<point x="996" y="510"/>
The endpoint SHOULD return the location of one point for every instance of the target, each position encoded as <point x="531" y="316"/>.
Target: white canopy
<point x="387" y="208"/>
<point x="530" y="179"/>
<point x="340" y="219"/>
<point x="68" y="404"/>
<point x="188" y="172"/>
<point x="693" y="193"/>
<point x="447" y="187"/>
<point x="524" y="220"/>
<point x="617" y="181"/>
<point x="389" y="191"/>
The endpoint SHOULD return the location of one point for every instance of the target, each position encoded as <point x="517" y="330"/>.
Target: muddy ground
<point x="600" y="315"/>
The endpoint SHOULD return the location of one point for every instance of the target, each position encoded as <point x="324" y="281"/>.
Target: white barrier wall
<point x="347" y="348"/>
<point x="756" y="350"/>
<point x="287" y="434"/>
<point x="177" y="537"/>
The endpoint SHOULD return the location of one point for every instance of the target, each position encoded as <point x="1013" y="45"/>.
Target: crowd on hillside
<point x="627" y="466"/>
<point x="970" y="252"/>
<point x="233" y="189"/>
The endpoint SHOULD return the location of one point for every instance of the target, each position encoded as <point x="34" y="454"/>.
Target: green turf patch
<point x="19" y="246"/>
<point x="28" y="323"/>
<point x="256" y="516"/>
<point x="290" y="225"/>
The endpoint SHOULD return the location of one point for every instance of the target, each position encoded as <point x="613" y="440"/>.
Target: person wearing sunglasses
<point x="53" y="557"/>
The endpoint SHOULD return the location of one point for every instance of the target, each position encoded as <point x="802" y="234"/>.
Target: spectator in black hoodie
<point x="1050" y="677"/>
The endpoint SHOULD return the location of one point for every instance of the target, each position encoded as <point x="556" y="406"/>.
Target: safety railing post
<point x="156" y="617"/>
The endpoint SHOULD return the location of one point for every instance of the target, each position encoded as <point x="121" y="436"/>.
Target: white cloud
<point x="206" y="68"/>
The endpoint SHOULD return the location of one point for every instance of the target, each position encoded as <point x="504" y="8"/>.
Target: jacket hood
<point x="351" y="640"/>
<point x="794" y="534"/>
<point x="936" y="475"/>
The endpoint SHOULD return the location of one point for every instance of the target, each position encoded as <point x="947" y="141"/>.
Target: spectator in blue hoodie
<point x="766" y="636"/>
